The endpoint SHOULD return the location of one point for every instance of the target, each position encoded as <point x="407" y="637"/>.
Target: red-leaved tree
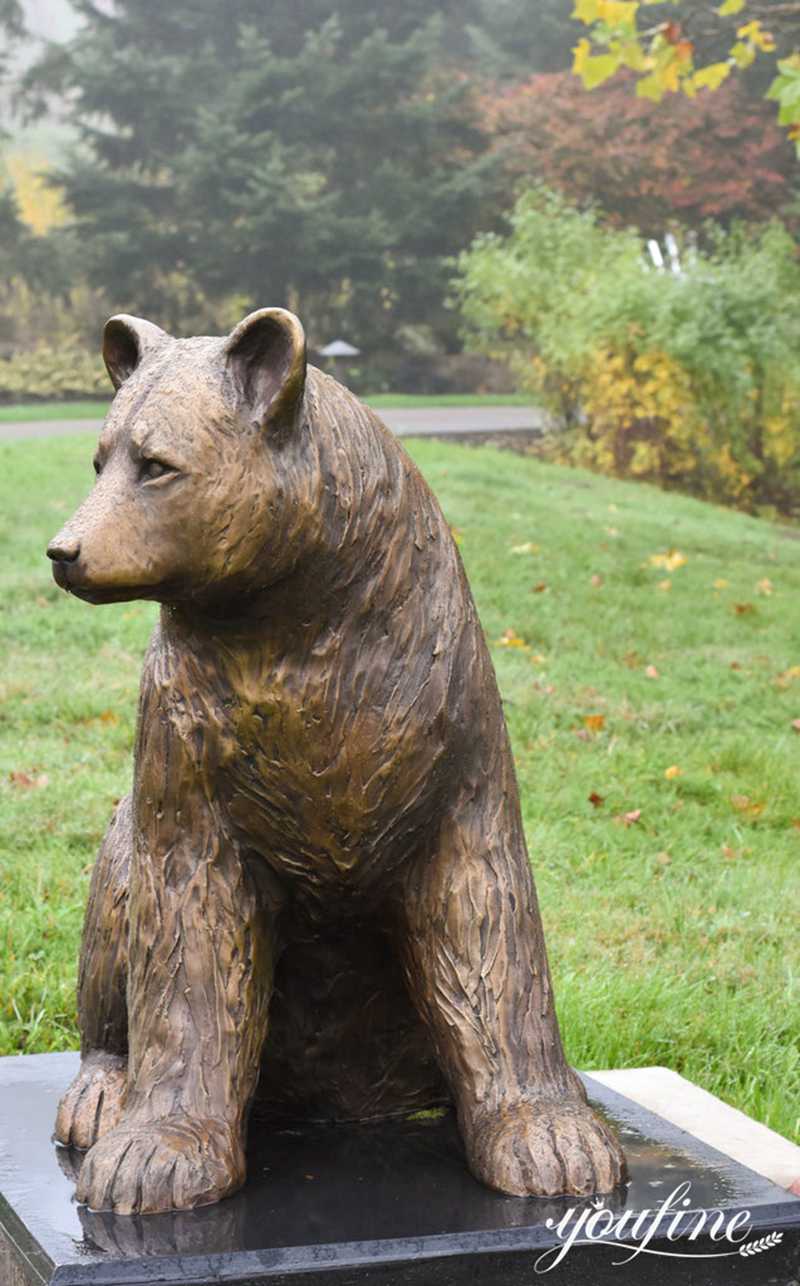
<point x="646" y="164"/>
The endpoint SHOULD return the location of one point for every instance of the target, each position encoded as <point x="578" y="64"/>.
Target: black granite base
<point x="388" y="1205"/>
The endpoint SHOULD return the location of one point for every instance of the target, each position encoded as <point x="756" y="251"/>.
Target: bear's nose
<point x="64" y="549"/>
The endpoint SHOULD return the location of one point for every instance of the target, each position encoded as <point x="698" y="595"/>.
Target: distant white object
<point x="655" y="254"/>
<point x="339" y="348"/>
<point x="674" y="255"/>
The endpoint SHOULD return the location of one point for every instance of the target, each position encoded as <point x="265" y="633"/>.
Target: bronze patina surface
<point x="317" y="895"/>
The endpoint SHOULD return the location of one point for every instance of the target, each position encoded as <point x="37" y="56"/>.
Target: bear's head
<point x="198" y="493"/>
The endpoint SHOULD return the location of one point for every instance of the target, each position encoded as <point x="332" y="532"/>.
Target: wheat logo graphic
<point x="764" y="1243"/>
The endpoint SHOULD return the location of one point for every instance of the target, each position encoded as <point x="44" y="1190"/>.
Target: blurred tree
<point x="275" y="153"/>
<point x="689" y="48"/>
<point x="12" y="29"/>
<point x="721" y="156"/>
<point x="511" y="39"/>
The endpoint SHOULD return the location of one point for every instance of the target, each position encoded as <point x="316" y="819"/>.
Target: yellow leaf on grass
<point x="765" y="587"/>
<point x="594" y="722"/>
<point x="527" y="548"/>
<point x="731" y="6"/>
<point x="721" y="584"/>
<point x="510" y="638"/>
<point x="672" y="772"/>
<point x="671" y="561"/>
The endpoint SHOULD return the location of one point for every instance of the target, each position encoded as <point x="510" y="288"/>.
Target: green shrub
<point x="690" y="381"/>
<point x="53" y="373"/>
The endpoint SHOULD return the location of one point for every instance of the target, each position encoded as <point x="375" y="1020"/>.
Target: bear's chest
<point x="320" y="778"/>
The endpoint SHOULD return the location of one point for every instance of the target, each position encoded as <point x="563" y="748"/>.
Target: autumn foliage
<point x="691" y="381"/>
<point x="719" y="155"/>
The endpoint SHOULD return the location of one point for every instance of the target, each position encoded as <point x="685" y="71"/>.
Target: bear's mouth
<point x="70" y="578"/>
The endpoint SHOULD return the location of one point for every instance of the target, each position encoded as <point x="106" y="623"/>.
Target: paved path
<point x="411" y="422"/>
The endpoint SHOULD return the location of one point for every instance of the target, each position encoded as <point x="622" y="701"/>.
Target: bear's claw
<point x="175" y="1163"/>
<point x="93" y="1103"/>
<point x="546" y="1148"/>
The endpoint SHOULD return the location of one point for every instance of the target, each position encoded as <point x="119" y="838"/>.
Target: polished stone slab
<point x="387" y="1205"/>
<point x="723" y="1127"/>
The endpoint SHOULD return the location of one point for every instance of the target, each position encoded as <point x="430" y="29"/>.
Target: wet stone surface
<point x="383" y="1204"/>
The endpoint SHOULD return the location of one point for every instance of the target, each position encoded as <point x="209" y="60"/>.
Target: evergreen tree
<point x="275" y="152"/>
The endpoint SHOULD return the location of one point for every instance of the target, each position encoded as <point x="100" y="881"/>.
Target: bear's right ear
<point x="126" y="340"/>
<point x="266" y="356"/>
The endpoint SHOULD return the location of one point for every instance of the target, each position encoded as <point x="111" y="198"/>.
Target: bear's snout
<point x="65" y="548"/>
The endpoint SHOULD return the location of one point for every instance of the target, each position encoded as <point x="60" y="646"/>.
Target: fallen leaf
<point x="527" y="548"/>
<point x="744" y="804"/>
<point x="596" y="799"/>
<point x="721" y="584"/>
<point x="594" y="722"/>
<point x="671" y="561"/>
<point x="735" y="665"/>
<point x="730" y="854"/>
<point x="743" y="609"/>
<point x="539" y="589"/>
<point x="796" y="823"/>
<point x="597" y="581"/>
<point x="672" y="772"/>
<point x="630" y="818"/>
<point x="663" y="859"/>
<point x="765" y="587"/>
<point x="666" y="585"/>
<point x="108" y="716"/>
<point x="538" y="659"/>
<point x="651" y="672"/>
<point x="582" y="734"/>
<point x="510" y="638"/>
<point x="23" y="780"/>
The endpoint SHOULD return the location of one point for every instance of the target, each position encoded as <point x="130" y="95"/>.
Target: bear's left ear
<point x="266" y="356"/>
<point x="126" y="342"/>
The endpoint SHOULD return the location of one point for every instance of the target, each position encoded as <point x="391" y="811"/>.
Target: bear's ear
<point x="125" y="342"/>
<point x="266" y="356"/>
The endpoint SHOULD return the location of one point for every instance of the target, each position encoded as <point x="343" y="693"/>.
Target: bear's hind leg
<point x="93" y="1103"/>
<point x="477" y="967"/>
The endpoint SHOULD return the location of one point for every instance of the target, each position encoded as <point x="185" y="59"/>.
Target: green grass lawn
<point x="651" y="710"/>
<point x="38" y="411"/>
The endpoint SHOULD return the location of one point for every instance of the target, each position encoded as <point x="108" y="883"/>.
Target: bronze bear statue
<point x="317" y="895"/>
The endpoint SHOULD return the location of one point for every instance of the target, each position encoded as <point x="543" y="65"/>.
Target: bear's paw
<point x="172" y="1163"/>
<point x="94" y="1101"/>
<point x="545" y="1148"/>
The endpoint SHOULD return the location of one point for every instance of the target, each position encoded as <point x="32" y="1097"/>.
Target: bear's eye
<point x="152" y="469"/>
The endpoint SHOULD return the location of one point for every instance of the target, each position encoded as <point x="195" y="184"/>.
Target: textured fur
<point x="319" y="886"/>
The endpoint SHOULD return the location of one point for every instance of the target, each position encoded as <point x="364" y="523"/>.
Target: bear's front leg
<point x="93" y="1103"/>
<point x="200" y="976"/>
<point x="477" y="968"/>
